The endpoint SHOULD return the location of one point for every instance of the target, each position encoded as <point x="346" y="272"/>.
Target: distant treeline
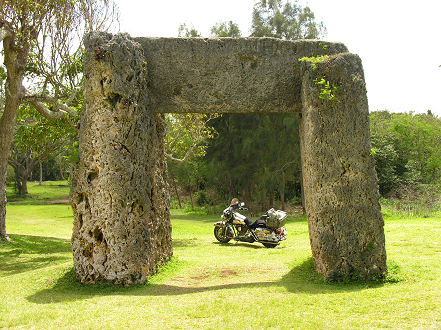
<point x="257" y="158"/>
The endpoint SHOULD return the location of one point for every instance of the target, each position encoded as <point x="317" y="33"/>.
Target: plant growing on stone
<point x="314" y="60"/>
<point x="327" y="90"/>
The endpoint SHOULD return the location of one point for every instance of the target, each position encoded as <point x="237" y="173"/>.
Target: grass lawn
<point x="209" y="285"/>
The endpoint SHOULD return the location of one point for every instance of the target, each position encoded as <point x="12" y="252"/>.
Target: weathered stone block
<point x="119" y="195"/>
<point x="341" y="191"/>
<point x="228" y="75"/>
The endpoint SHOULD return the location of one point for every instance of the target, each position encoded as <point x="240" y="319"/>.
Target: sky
<point x="398" y="40"/>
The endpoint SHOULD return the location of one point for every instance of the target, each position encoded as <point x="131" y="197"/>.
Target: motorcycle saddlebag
<point x="276" y="219"/>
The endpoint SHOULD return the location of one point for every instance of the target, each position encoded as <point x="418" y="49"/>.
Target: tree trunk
<point x="282" y="191"/>
<point x="61" y="170"/>
<point x="15" y="62"/>
<point x="22" y="175"/>
<point x="230" y="188"/>
<point x="3" y="234"/>
<point x="41" y="173"/>
<point x="176" y="192"/>
<point x="271" y="198"/>
<point x="191" y="197"/>
<point x="24" y="185"/>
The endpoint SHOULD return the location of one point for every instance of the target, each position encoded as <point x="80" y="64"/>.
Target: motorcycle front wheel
<point x="220" y="234"/>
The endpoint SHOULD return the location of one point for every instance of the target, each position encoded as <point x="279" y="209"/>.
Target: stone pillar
<point x="119" y="194"/>
<point x="341" y="190"/>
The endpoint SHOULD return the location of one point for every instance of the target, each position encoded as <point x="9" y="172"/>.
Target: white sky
<point x="399" y="41"/>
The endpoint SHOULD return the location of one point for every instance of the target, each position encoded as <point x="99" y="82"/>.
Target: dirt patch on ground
<point x="227" y="272"/>
<point x="215" y="274"/>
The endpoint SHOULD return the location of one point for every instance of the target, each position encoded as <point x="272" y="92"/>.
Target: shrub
<point x="421" y="200"/>
<point x="202" y="198"/>
<point x="10" y="176"/>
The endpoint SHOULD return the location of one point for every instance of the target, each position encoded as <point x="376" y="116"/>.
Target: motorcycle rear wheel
<point x="270" y="245"/>
<point x="219" y="233"/>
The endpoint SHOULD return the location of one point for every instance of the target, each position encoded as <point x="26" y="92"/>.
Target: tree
<point x="257" y="155"/>
<point x="188" y="32"/>
<point x="406" y="149"/>
<point x="186" y="139"/>
<point x="226" y="29"/>
<point x="40" y="43"/>
<point x="36" y="140"/>
<point x="285" y="20"/>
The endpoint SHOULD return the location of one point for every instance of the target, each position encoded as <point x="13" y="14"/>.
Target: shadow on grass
<point x="184" y="242"/>
<point x="301" y="279"/>
<point x="241" y="245"/>
<point x="26" y="252"/>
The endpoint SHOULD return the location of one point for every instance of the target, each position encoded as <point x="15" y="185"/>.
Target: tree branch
<point x="6" y="30"/>
<point x="186" y="156"/>
<point x="5" y="33"/>
<point x="59" y="107"/>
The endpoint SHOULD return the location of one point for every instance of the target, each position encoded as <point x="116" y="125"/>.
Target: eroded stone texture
<point x="341" y="191"/>
<point x="234" y="75"/>
<point x="119" y="196"/>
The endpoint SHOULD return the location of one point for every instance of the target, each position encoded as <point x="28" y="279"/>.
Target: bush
<point x="10" y="176"/>
<point x="420" y="200"/>
<point x="202" y="198"/>
<point x="215" y="209"/>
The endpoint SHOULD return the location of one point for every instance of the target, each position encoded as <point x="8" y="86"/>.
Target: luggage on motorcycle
<point x="275" y="219"/>
<point x="265" y="234"/>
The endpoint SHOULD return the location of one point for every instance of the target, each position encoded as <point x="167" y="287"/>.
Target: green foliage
<point x="314" y="60"/>
<point x="327" y="90"/>
<point x="202" y="198"/>
<point x="39" y="135"/>
<point x="38" y="140"/>
<point x="285" y="20"/>
<point x="407" y="148"/>
<point x="254" y="156"/>
<point x="226" y="29"/>
<point x="413" y="200"/>
<point x="188" y="31"/>
<point x="10" y="175"/>
<point x="188" y="134"/>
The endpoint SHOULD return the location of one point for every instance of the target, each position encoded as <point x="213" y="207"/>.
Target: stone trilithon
<point x="119" y="195"/>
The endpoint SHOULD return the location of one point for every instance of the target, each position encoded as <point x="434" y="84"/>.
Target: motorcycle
<point x="268" y="229"/>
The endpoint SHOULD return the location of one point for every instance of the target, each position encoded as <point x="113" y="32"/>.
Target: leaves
<point x="226" y="29"/>
<point x="187" y="135"/>
<point x="314" y="60"/>
<point x="408" y="148"/>
<point x="327" y="91"/>
<point x="285" y="20"/>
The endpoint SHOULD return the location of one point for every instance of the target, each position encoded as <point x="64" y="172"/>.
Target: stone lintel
<point x="228" y="75"/>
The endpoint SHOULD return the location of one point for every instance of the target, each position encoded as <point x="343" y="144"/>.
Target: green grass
<point x="209" y="285"/>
